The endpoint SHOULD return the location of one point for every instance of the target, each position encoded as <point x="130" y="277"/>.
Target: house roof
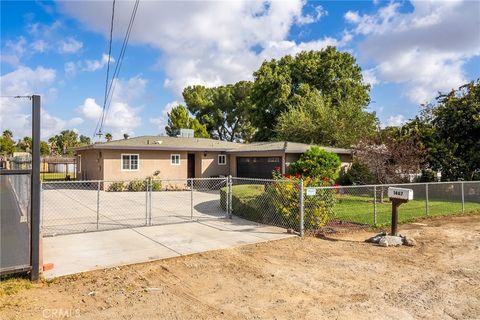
<point x="164" y="143"/>
<point x="284" y="146"/>
<point x="202" y="144"/>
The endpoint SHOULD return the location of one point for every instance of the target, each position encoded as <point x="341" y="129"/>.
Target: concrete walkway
<point x="97" y="250"/>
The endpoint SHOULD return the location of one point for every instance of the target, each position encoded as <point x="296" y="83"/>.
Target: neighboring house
<point x="182" y="157"/>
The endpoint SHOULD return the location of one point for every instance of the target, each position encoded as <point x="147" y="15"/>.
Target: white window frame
<point x="175" y="155"/>
<point x="130" y="155"/>
<point x="224" y="156"/>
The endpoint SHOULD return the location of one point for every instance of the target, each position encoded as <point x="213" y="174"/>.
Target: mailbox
<point x="400" y="193"/>
<point x="398" y="196"/>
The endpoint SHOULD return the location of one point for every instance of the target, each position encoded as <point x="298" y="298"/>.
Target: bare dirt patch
<point x="295" y="278"/>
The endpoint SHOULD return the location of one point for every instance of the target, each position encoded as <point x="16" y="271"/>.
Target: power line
<point x="119" y="64"/>
<point x="100" y="120"/>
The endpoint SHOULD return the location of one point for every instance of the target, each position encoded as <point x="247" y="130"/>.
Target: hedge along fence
<point x="135" y="185"/>
<point x="278" y="203"/>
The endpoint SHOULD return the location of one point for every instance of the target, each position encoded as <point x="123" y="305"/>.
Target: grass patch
<point x="56" y="176"/>
<point x="359" y="209"/>
<point x="11" y="286"/>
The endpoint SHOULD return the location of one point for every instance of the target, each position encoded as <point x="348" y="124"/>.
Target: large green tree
<point x="61" y="143"/>
<point x="179" y="118"/>
<point x="225" y="110"/>
<point x="312" y="119"/>
<point x="280" y="85"/>
<point x="450" y="132"/>
<point x="7" y="144"/>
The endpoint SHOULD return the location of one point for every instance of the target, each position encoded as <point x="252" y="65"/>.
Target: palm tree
<point x="109" y="137"/>
<point x="7" y="134"/>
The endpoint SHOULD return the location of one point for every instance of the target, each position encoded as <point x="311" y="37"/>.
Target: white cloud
<point x="369" y="77"/>
<point x="425" y="49"/>
<point x="69" y="45"/>
<point x="40" y="46"/>
<point x="162" y="121"/>
<point x="121" y="117"/>
<point x="94" y="65"/>
<point x="16" y="113"/>
<point x="396" y="121"/>
<point x="213" y="42"/>
<point x="13" y="51"/>
<point x="311" y="18"/>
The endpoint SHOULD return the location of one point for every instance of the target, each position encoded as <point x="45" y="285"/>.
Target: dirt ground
<point x="309" y="278"/>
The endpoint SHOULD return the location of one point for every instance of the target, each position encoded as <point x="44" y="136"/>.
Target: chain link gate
<point x="83" y="206"/>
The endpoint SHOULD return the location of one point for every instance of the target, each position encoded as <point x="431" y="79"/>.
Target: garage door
<point x="257" y="167"/>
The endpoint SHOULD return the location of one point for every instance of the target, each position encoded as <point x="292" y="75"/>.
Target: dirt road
<point x="294" y="278"/>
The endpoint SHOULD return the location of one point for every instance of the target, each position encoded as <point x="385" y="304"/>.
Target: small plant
<point x="12" y="286"/>
<point x="116" y="187"/>
<point x="136" y="186"/>
<point x="154" y="184"/>
<point x="316" y="163"/>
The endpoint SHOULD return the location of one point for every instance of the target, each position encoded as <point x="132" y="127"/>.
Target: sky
<point x="408" y="51"/>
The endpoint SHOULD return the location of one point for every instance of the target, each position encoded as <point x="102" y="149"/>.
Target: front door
<point x="191" y="165"/>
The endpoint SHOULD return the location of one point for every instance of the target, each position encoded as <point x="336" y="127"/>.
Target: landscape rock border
<point x="385" y="240"/>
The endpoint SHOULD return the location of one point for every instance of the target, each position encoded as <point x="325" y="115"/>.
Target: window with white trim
<point x="130" y="162"/>
<point x="222" y="159"/>
<point x="175" y="159"/>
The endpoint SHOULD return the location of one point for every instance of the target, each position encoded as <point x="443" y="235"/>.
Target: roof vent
<point x="186" y="133"/>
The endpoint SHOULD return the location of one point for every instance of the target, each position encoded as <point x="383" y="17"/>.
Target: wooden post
<point x="395" y="205"/>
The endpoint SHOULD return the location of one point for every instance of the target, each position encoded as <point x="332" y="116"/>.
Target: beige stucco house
<point x="182" y="157"/>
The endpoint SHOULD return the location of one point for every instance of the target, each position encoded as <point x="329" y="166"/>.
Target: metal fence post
<point x="463" y="198"/>
<point x="98" y="203"/>
<point x="147" y="184"/>
<point x="229" y="197"/>
<point x="191" y="198"/>
<point x="374" y="205"/>
<point x="426" y="199"/>
<point x="227" y="186"/>
<point x="35" y="258"/>
<point x="150" y="204"/>
<point x="301" y="208"/>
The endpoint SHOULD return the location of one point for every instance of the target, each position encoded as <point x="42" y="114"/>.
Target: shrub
<point x="278" y="203"/>
<point x="136" y="186"/>
<point x="317" y="163"/>
<point x="116" y="186"/>
<point x="357" y="174"/>
<point x="154" y="184"/>
<point x="318" y="209"/>
<point x="246" y="201"/>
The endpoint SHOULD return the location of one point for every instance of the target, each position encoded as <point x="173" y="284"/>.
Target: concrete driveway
<point x="67" y="211"/>
<point x="134" y="228"/>
<point x="82" y="252"/>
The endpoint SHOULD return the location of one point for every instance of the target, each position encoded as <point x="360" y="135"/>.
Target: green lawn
<point x="360" y="209"/>
<point x="56" y="176"/>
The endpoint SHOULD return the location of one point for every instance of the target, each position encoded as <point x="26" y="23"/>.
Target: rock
<point x="387" y="241"/>
<point x="409" y="241"/>
<point x="376" y="239"/>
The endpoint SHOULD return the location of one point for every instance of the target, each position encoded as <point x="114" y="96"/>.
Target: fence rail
<point x="81" y="206"/>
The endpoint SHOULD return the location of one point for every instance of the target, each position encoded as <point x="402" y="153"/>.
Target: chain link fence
<point x="272" y="202"/>
<point x="369" y="206"/>
<point x="82" y="206"/>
